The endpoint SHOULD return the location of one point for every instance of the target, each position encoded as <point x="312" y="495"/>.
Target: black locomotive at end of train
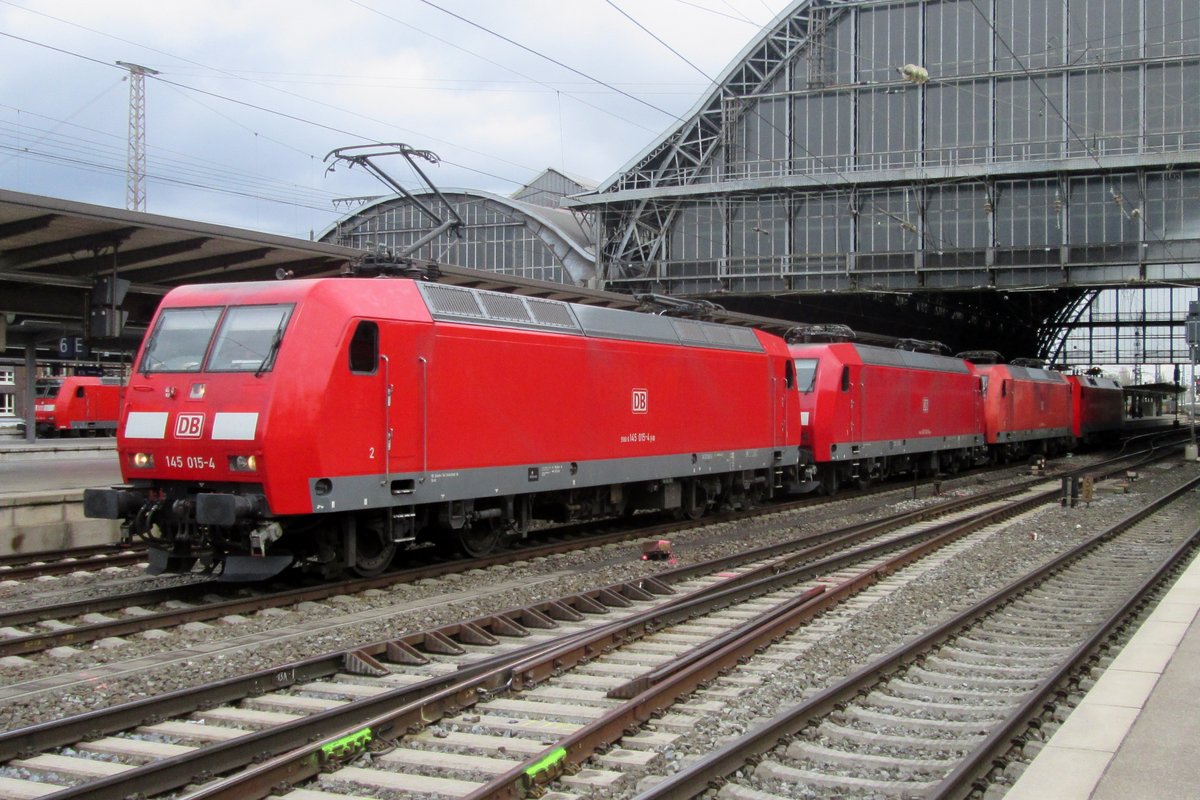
<point x="336" y="422"/>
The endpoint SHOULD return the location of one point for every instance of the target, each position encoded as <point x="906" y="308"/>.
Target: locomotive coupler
<point x="262" y="537"/>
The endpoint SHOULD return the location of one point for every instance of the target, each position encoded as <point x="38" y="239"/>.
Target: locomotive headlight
<point x="143" y="460"/>
<point x="243" y="463"/>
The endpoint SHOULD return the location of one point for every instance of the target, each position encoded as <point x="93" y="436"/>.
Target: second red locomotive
<point x="871" y="412"/>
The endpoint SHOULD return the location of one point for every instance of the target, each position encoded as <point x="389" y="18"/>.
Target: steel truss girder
<point x="680" y="158"/>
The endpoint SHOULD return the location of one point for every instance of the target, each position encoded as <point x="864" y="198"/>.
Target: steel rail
<point x="665" y="685"/>
<point x="57" y="562"/>
<point x="22" y="645"/>
<point x="965" y="776"/>
<point x="62" y="566"/>
<point x="11" y="560"/>
<point x="734" y="755"/>
<point x="32" y="643"/>
<point x="513" y="622"/>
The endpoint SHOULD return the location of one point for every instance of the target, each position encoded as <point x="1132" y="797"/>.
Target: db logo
<point x="641" y="401"/>
<point x="189" y="426"/>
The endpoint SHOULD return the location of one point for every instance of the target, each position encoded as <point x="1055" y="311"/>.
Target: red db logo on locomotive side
<point x="189" y="426"/>
<point x="641" y="401"/>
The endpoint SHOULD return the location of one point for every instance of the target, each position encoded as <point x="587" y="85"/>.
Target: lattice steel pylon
<point x="135" y="167"/>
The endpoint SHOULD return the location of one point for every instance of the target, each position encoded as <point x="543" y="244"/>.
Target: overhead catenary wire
<point x="552" y="60"/>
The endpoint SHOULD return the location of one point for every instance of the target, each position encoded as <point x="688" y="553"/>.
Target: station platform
<point x="1136" y="734"/>
<point x="41" y="493"/>
<point x="15" y="448"/>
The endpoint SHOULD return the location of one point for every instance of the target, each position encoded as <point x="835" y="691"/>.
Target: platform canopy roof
<point x="54" y="253"/>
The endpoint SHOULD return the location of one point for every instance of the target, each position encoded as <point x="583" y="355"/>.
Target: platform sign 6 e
<point x="641" y="401"/>
<point x="189" y="426"/>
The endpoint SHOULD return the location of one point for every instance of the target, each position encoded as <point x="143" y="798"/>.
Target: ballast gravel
<point x="474" y="593"/>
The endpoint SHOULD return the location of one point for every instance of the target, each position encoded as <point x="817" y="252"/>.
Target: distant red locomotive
<point x="1097" y="408"/>
<point x="45" y="393"/>
<point x="336" y="421"/>
<point x="870" y="412"/>
<point x="1027" y="409"/>
<point x="76" y="406"/>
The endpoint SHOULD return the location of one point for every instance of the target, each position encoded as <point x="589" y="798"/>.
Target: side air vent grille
<point x="549" y="312"/>
<point x="689" y="331"/>
<point x="451" y="300"/>
<point x="505" y="306"/>
<point x="459" y="304"/>
<point x="479" y="307"/>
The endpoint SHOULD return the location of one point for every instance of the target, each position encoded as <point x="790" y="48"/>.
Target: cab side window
<point x="364" y="348"/>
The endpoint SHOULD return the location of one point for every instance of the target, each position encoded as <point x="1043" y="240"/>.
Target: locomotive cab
<point x="190" y="441"/>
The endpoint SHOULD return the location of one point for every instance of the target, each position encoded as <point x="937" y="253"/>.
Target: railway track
<point x="933" y="718"/>
<point x="374" y="677"/>
<point x="25" y="566"/>
<point x="106" y="617"/>
<point x="495" y="634"/>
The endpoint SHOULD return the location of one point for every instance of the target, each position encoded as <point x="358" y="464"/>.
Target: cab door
<point x="363" y="413"/>
<point x="854" y="394"/>
<point x="407" y="365"/>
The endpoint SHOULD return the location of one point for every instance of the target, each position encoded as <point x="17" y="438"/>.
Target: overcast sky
<point x="253" y="94"/>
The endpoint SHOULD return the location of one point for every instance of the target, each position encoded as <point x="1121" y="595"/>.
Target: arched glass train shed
<point x="972" y="169"/>
<point x="499" y="234"/>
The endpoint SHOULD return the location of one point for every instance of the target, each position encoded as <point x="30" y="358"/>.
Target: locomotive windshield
<point x="245" y="341"/>
<point x="44" y="389"/>
<point x="249" y="338"/>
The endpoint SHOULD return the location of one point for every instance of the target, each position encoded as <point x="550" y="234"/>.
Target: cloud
<point x="252" y="96"/>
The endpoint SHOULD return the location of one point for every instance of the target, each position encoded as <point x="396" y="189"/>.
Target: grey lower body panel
<point x="856" y="451"/>
<point x="94" y="426"/>
<point x="1004" y="437"/>
<point x="358" y="492"/>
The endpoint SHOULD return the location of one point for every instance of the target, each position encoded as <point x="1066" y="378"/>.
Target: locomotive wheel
<point x="372" y="550"/>
<point x="479" y="539"/>
<point x="829" y="482"/>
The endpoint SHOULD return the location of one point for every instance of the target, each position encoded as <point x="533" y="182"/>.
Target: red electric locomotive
<point x="1097" y="408"/>
<point x="1027" y="409"/>
<point x="870" y="412"/>
<point x="78" y="406"/>
<point x="335" y="421"/>
<point x="45" y="393"/>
